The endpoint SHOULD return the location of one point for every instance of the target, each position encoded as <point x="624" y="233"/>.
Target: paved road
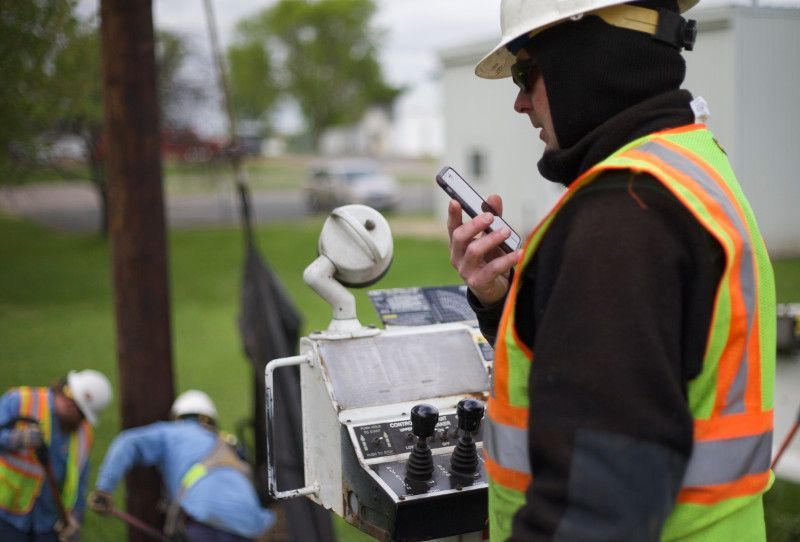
<point x="73" y="206"/>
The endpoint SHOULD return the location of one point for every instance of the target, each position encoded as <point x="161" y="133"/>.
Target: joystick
<point x="464" y="460"/>
<point x="423" y="424"/>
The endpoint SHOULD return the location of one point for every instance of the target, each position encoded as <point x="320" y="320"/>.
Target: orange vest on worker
<point x="731" y="400"/>
<point x="21" y="474"/>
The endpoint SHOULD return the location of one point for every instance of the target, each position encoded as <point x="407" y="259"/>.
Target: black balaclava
<point x="593" y="70"/>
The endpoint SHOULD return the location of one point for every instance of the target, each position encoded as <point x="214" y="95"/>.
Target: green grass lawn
<point x="56" y="314"/>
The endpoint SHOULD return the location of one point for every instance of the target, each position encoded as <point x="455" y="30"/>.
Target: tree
<point x="50" y="62"/>
<point x="77" y="104"/>
<point x="178" y="94"/>
<point x="31" y="34"/>
<point x="252" y="86"/>
<point x="327" y="56"/>
<point x="75" y="89"/>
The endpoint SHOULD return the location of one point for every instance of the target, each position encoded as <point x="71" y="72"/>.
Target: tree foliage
<point x="51" y="68"/>
<point x="252" y="85"/>
<point x="326" y="55"/>
<point x="178" y="94"/>
<point x="31" y="34"/>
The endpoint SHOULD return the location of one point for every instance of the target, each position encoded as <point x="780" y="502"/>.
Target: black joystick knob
<point x="423" y="424"/>
<point x="423" y="420"/>
<point x="470" y="413"/>
<point x="465" y="457"/>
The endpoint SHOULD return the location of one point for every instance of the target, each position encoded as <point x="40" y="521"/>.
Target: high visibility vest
<point x="731" y="400"/>
<point x="21" y="474"/>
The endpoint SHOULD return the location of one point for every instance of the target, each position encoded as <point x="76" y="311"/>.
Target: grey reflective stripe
<point x="735" y="401"/>
<point x="721" y="461"/>
<point x="26" y="466"/>
<point x="507" y="446"/>
<point x="83" y="448"/>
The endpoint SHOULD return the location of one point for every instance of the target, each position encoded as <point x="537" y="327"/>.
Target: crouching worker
<point x="210" y="489"/>
<point x="45" y="440"/>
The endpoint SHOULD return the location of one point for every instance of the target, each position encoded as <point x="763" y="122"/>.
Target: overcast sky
<point x="414" y="30"/>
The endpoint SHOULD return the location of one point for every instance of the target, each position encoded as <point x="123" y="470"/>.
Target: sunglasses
<point x="521" y="73"/>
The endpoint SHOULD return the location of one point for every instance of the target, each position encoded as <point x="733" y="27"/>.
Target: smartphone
<point x="472" y="203"/>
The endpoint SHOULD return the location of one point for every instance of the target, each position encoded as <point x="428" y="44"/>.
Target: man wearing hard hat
<point x="45" y="440"/>
<point x="209" y="486"/>
<point x="635" y="332"/>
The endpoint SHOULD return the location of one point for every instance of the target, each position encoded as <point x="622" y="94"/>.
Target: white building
<point x="414" y="129"/>
<point x="368" y="137"/>
<point x="746" y="64"/>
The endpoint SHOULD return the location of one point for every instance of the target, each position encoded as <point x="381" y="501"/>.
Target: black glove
<point x="26" y="437"/>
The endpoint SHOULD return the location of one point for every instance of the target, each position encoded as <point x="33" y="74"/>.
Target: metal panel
<point x="403" y="366"/>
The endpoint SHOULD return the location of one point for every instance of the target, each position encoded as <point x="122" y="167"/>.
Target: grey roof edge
<point x="708" y="19"/>
<point x="468" y="53"/>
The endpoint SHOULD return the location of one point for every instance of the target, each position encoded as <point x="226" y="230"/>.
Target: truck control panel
<point x="392" y="434"/>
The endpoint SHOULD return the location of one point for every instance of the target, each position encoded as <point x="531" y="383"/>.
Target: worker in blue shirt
<point x="45" y="440"/>
<point x="209" y="487"/>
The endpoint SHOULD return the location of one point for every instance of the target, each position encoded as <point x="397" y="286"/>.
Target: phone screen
<point x="470" y="200"/>
<point x="472" y="203"/>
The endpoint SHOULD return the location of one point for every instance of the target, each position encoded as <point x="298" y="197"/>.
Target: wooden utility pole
<point x="137" y="232"/>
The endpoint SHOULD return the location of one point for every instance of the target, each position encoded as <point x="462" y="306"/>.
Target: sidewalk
<point x="74" y="207"/>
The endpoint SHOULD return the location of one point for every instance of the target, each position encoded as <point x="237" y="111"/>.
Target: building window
<point x="477" y="164"/>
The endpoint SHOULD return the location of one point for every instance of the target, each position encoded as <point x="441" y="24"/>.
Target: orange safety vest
<point x="21" y="474"/>
<point x="731" y="400"/>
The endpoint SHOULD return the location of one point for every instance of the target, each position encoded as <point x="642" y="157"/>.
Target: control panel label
<point x="395" y="437"/>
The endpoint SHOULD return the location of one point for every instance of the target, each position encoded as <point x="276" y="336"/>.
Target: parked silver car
<point x="340" y="181"/>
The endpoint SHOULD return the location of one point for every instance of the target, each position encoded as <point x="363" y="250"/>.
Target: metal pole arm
<point x="272" y="481"/>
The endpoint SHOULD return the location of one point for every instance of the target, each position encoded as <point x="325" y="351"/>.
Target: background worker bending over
<point x="209" y="487"/>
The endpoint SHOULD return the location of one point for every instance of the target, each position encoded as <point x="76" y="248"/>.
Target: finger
<point x="486" y="247"/>
<point x="453" y="217"/>
<point x="465" y="234"/>
<point x="496" y="202"/>
<point x="497" y="267"/>
<point x="504" y="263"/>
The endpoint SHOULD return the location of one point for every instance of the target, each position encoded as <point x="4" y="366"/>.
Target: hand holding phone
<point x="473" y="204"/>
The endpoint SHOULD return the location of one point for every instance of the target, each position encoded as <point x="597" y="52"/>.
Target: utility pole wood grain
<point x="137" y="233"/>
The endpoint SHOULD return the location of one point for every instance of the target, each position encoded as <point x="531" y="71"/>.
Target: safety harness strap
<point x="222" y="455"/>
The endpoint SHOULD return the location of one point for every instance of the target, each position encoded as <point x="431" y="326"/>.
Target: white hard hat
<point x="91" y="391"/>
<point x="193" y="402"/>
<point x="520" y="17"/>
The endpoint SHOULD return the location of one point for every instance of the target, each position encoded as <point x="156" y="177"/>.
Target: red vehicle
<point x="186" y="146"/>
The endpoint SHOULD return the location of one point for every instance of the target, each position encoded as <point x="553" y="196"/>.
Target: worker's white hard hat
<point x="193" y="402"/>
<point x="91" y="391"/>
<point x="520" y="17"/>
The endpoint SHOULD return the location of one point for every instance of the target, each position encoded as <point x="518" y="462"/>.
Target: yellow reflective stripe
<point x="197" y="471"/>
<point x="19" y="487"/>
<point x="26" y="402"/>
<point x="45" y="420"/>
<point x="69" y="492"/>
